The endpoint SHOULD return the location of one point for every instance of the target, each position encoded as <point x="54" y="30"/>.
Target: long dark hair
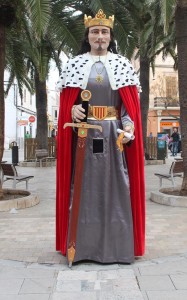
<point x="85" y="46"/>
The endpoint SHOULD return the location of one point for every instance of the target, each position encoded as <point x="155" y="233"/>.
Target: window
<point x="24" y="95"/>
<point x="55" y="114"/>
<point x="30" y="99"/>
<point x="171" y="87"/>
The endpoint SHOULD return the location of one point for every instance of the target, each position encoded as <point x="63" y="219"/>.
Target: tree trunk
<point x="2" y="103"/>
<point x="181" y="35"/>
<point x="41" y="108"/>
<point x="144" y="95"/>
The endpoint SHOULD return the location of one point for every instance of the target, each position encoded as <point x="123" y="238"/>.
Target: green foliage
<point x="47" y="27"/>
<point x="39" y="12"/>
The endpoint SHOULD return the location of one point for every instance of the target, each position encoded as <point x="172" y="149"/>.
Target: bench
<point x="42" y="155"/>
<point x="9" y="172"/>
<point x="176" y="170"/>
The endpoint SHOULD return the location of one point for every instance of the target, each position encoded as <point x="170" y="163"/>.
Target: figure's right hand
<point x="78" y="113"/>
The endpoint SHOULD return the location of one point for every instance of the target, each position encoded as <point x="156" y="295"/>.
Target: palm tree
<point x="7" y="17"/>
<point x="15" y="12"/>
<point x="152" y="41"/>
<point x="60" y="31"/>
<point x="69" y="30"/>
<point x="174" y="19"/>
<point x="181" y="36"/>
<point x="172" y="22"/>
<point x="35" y="20"/>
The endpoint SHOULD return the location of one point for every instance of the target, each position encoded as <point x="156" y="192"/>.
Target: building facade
<point x="164" y="110"/>
<point x="20" y="115"/>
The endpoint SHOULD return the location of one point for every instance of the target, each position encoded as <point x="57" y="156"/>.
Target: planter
<point x="18" y="199"/>
<point x="163" y="197"/>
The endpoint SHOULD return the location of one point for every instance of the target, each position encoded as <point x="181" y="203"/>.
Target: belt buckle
<point x="100" y="112"/>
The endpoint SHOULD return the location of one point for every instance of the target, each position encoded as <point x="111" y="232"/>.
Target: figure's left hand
<point x="128" y="129"/>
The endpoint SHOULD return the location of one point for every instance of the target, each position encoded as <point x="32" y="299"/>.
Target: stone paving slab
<point x="179" y="281"/>
<point x="7" y="272"/>
<point x="128" y="295"/>
<point x="37" y="285"/>
<point x="77" y="275"/>
<point x="74" y="296"/>
<point x="155" y="283"/>
<point x="111" y="284"/>
<point x="167" y="295"/>
<point x="10" y="286"/>
<point x="26" y="297"/>
<point x="175" y="267"/>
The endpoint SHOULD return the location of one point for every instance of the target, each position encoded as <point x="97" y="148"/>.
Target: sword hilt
<point x="83" y="126"/>
<point x="85" y="96"/>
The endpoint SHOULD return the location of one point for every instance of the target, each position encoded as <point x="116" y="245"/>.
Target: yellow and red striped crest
<point x="99" y="112"/>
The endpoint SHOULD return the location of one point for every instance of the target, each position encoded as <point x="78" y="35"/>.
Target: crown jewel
<point x="100" y="19"/>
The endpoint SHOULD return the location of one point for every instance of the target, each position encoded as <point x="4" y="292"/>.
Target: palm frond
<point x="69" y="31"/>
<point x="39" y="13"/>
<point x="166" y="9"/>
<point x="106" y="5"/>
<point x="15" y="62"/>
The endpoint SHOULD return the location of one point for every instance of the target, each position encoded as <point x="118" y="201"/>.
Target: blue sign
<point x="161" y="144"/>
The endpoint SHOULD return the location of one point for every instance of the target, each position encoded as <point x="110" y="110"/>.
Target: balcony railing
<point x="166" y="102"/>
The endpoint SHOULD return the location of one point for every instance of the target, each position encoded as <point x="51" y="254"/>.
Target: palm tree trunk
<point x="41" y="108"/>
<point x="144" y="95"/>
<point x="181" y="35"/>
<point x="2" y="103"/>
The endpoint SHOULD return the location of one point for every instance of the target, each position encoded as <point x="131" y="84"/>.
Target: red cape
<point x="135" y="161"/>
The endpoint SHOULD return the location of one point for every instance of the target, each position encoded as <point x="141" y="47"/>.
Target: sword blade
<point x="79" y="165"/>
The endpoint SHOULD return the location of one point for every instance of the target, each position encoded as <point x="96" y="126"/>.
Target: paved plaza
<point x="31" y="269"/>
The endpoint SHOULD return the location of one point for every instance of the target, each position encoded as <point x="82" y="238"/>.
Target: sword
<point x="79" y="164"/>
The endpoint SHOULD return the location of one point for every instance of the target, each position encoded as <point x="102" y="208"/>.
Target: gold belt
<point x="103" y="113"/>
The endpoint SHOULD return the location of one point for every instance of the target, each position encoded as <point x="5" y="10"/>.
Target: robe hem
<point x="107" y="261"/>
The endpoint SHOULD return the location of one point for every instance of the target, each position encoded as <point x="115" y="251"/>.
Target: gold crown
<point x="100" y="19"/>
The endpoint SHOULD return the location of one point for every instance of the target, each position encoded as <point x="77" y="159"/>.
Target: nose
<point x="100" y="35"/>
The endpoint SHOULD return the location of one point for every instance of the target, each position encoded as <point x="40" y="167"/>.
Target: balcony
<point x="166" y="102"/>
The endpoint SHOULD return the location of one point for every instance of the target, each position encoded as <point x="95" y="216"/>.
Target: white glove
<point x="128" y="134"/>
<point x="77" y="113"/>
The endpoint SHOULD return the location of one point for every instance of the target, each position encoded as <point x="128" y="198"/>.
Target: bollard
<point x="15" y="159"/>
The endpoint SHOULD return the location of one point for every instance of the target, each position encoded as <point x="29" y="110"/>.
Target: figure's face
<point x="99" y="39"/>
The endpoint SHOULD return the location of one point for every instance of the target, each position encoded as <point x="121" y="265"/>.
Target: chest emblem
<point x="100" y="112"/>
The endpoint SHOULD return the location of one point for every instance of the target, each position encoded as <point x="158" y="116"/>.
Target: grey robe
<point x="105" y="228"/>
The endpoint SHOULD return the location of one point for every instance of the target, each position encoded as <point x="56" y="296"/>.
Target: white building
<point x="20" y="115"/>
<point x="52" y="99"/>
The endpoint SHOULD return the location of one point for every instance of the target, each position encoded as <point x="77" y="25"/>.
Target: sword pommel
<point x="86" y="95"/>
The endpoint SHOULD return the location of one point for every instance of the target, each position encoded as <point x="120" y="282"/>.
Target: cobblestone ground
<point x="29" y="235"/>
<point x="31" y="269"/>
